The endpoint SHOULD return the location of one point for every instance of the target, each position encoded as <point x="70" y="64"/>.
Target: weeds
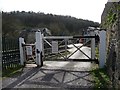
<point x="101" y="78"/>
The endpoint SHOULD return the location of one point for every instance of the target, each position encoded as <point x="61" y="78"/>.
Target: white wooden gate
<point x="56" y="48"/>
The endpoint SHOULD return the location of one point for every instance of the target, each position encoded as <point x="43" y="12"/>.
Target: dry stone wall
<point x="110" y="20"/>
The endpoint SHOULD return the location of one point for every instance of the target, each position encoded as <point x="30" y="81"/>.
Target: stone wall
<point x="110" y="20"/>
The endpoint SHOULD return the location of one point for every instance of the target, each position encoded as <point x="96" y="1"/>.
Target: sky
<point x="84" y="9"/>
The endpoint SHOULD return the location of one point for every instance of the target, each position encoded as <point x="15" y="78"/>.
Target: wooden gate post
<point x="22" y="56"/>
<point x="102" y="48"/>
<point x="66" y="41"/>
<point x="38" y="50"/>
<point x="92" y="45"/>
<point x="43" y="53"/>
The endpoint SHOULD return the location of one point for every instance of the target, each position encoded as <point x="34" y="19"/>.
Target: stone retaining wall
<point x="110" y="20"/>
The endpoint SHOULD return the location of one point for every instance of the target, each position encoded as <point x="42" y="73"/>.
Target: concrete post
<point x="38" y="50"/>
<point x="102" y="48"/>
<point x="92" y="45"/>
<point x="22" y="58"/>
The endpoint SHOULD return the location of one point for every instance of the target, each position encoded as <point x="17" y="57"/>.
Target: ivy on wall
<point x="111" y="16"/>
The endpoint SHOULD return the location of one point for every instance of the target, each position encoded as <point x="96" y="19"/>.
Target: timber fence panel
<point x="10" y="53"/>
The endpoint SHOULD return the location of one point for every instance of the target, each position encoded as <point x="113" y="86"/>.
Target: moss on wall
<point x="110" y="21"/>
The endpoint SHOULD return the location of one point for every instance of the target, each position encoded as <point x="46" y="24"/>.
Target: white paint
<point x="22" y="56"/>
<point x="58" y="37"/>
<point x="38" y="48"/>
<point x="102" y="48"/>
<point x="29" y="50"/>
<point x="54" y="46"/>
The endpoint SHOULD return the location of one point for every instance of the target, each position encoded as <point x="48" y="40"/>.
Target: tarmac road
<point x="79" y="54"/>
<point x="55" y="74"/>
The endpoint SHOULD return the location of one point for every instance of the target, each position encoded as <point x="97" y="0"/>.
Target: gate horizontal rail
<point x="69" y="37"/>
<point x="77" y="60"/>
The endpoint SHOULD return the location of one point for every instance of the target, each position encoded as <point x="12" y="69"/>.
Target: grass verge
<point x="12" y="71"/>
<point x="101" y="78"/>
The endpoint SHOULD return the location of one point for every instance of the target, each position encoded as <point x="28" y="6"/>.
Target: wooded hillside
<point x="14" y="22"/>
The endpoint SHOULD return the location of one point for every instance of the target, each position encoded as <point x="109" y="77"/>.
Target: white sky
<point x="85" y="9"/>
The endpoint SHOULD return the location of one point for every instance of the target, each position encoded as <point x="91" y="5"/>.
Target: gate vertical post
<point x="92" y="45"/>
<point x="43" y="53"/>
<point x="38" y="50"/>
<point x="66" y="40"/>
<point x="102" y="48"/>
<point x="22" y="57"/>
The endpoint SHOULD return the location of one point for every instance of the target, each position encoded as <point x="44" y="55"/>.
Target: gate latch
<point x="38" y="51"/>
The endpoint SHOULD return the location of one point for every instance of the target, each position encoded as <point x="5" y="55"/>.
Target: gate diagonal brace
<point x="85" y="44"/>
<point x="82" y="51"/>
<point x="61" y="55"/>
<point x="78" y="49"/>
<point x="61" y="42"/>
<point x="48" y="42"/>
<point x="72" y="54"/>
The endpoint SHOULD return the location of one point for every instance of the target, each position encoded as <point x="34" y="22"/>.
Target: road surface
<point x="55" y="74"/>
<point x="79" y="54"/>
